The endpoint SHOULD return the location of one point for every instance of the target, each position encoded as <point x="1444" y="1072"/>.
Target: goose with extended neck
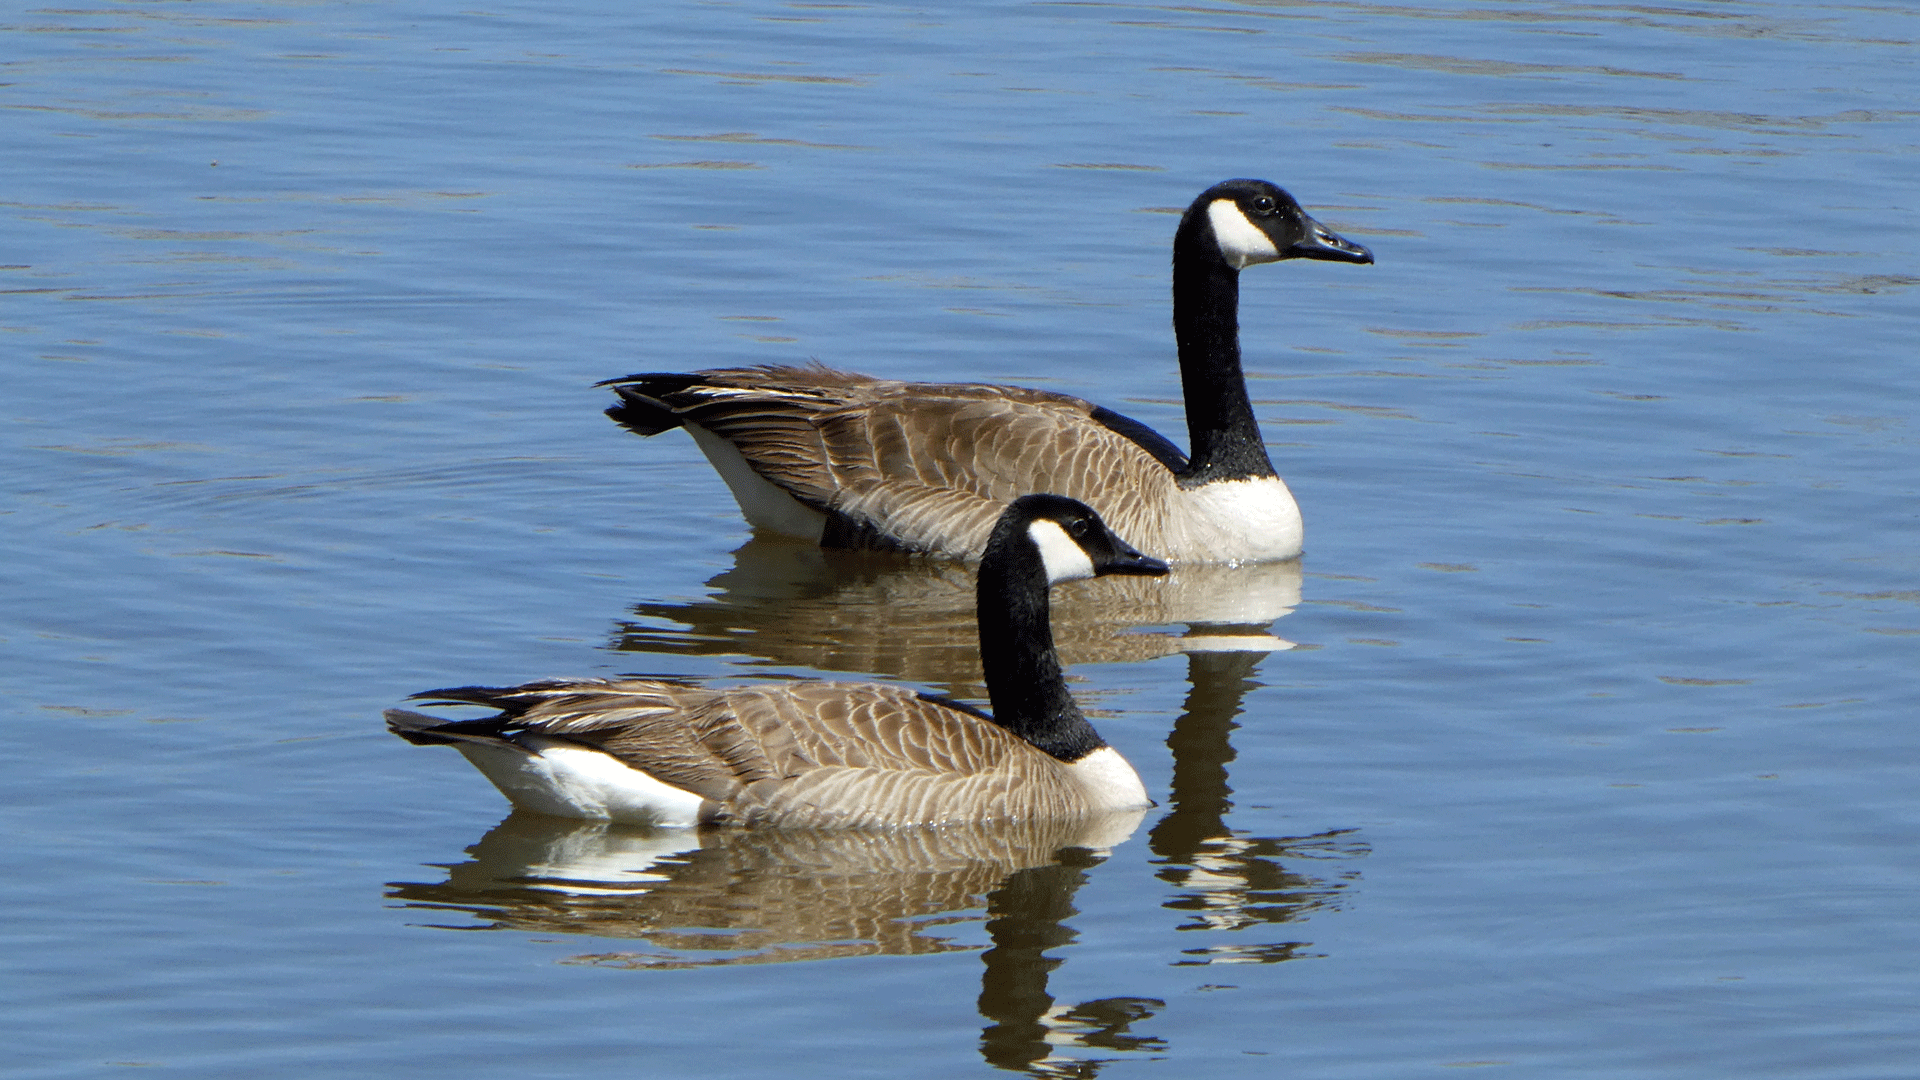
<point x="661" y="752"/>
<point x="853" y="461"/>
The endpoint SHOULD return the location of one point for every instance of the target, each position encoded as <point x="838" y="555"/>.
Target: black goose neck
<point x="1221" y="427"/>
<point x="1024" y="680"/>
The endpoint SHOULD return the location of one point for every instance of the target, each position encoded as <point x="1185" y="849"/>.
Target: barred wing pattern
<point x="799" y="754"/>
<point x="922" y="467"/>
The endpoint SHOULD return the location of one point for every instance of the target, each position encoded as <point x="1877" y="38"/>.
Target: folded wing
<point x="923" y="467"/>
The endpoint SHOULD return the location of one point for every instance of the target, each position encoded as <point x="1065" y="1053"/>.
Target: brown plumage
<point x="921" y="467"/>
<point x="792" y="753"/>
<point x="853" y="461"/>
<point x="827" y="754"/>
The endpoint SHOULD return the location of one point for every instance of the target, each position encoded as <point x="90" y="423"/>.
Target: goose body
<point x="849" y="460"/>
<point x="826" y="754"/>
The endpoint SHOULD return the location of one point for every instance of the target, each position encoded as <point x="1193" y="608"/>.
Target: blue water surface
<point x="1594" y="755"/>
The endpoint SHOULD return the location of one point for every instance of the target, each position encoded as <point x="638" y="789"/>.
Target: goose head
<point x="1252" y="221"/>
<point x="1070" y="539"/>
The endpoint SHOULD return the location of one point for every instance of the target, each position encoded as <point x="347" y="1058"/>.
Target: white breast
<point x="1235" y="521"/>
<point x="1110" y="783"/>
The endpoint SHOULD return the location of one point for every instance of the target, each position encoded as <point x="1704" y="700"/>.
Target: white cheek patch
<point x="1241" y="242"/>
<point x="1064" y="559"/>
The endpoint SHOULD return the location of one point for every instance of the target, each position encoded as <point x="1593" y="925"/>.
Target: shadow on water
<point x="912" y="619"/>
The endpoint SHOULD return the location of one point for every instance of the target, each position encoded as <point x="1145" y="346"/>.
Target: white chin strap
<point x="1064" y="558"/>
<point x="1241" y="242"/>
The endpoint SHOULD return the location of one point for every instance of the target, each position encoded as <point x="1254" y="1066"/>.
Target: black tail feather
<point x="423" y="730"/>
<point x="642" y="409"/>
<point x="493" y="697"/>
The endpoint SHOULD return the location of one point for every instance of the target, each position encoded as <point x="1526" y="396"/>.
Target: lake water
<point x="1595" y="754"/>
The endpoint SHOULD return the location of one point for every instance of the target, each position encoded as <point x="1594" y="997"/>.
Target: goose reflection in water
<point x="798" y="605"/>
<point x="719" y="896"/>
<point x="711" y="897"/>
<point x="1225" y="879"/>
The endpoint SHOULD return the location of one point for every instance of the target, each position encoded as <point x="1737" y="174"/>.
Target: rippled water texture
<point x="1582" y="745"/>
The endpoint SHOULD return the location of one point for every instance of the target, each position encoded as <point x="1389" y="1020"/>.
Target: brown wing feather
<point x="807" y="753"/>
<point x="930" y="465"/>
<point x="677" y="733"/>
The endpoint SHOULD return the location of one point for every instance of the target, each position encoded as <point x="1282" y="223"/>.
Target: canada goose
<point x="813" y="754"/>
<point x="852" y="461"/>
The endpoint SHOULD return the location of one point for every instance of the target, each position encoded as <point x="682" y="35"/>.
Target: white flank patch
<point x="1110" y="783"/>
<point x="1234" y="521"/>
<point x="763" y="503"/>
<point x="564" y="779"/>
<point x="1240" y="240"/>
<point x="1063" y="557"/>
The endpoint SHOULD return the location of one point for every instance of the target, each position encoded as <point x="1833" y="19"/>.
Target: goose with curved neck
<point x="1024" y="556"/>
<point x="852" y="461"/>
<point x="826" y="754"/>
<point x="1231" y="226"/>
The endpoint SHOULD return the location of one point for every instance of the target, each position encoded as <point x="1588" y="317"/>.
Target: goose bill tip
<point x="1135" y="563"/>
<point x="1325" y="244"/>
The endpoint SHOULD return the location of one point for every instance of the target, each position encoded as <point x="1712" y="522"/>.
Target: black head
<point x="1070" y="539"/>
<point x="1252" y="221"/>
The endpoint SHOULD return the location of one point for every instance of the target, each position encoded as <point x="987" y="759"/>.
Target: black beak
<point x="1325" y="244"/>
<point x="1126" y="559"/>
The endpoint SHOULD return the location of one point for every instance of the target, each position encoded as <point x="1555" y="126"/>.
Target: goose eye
<point x="1263" y="204"/>
<point x="1078" y="530"/>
